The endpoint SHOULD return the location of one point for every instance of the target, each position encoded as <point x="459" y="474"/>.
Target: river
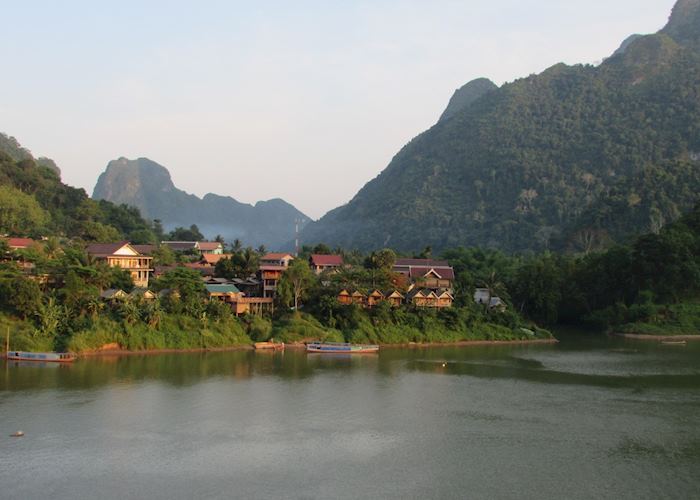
<point x="588" y="418"/>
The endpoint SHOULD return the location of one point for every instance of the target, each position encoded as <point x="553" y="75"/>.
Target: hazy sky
<point x="303" y="100"/>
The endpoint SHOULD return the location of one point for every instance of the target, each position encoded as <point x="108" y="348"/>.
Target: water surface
<point x="588" y="418"/>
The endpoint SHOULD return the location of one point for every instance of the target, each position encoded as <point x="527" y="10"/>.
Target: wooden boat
<point x="51" y="357"/>
<point x="276" y="346"/>
<point x="340" y="348"/>
<point x="673" y="342"/>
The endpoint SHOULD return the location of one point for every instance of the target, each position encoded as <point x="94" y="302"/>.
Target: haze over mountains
<point x="572" y="159"/>
<point x="145" y="184"/>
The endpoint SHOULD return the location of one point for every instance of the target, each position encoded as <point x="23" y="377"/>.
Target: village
<point x="418" y="282"/>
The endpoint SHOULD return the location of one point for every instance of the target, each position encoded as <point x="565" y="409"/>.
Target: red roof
<point x="326" y="260"/>
<point x="16" y="243"/>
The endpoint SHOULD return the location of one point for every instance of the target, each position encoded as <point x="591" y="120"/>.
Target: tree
<point x="295" y="283"/>
<point x="183" y="234"/>
<point x="20" y="213"/>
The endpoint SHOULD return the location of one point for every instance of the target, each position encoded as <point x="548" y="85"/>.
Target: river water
<point x="588" y="418"/>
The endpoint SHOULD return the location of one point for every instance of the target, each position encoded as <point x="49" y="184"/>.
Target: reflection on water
<point x="591" y="417"/>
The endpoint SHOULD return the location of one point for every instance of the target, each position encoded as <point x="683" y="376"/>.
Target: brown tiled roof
<point x="446" y="273"/>
<point x="102" y="249"/>
<point x="326" y="260"/>
<point x="211" y="259"/>
<point x="276" y="256"/>
<point x="144" y="249"/>
<point x="209" y="245"/>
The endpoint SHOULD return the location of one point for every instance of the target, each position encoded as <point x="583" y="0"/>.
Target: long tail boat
<point x="51" y="357"/>
<point x="340" y="348"/>
<point x="275" y="346"/>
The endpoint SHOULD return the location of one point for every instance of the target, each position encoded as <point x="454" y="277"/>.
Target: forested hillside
<point x="576" y="158"/>
<point x="34" y="202"/>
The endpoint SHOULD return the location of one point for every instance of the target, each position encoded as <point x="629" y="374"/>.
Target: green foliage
<point x="295" y="283"/>
<point x="20" y="214"/>
<point x="184" y="234"/>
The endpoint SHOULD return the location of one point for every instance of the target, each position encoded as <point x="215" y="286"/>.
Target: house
<point x="20" y="243"/>
<point x="211" y="259"/>
<point x="374" y="298"/>
<point x="225" y="292"/>
<point x="344" y="297"/>
<point x="321" y="263"/>
<point x="394" y="298"/>
<point x="181" y="246"/>
<point x="125" y="256"/>
<point x="426" y="273"/>
<point x="251" y="287"/>
<point x="143" y="294"/>
<point x="358" y="298"/>
<point x="203" y="269"/>
<point x="445" y="298"/>
<point x="113" y="294"/>
<point x="483" y="296"/>
<point x="210" y="247"/>
<point x="272" y="265"/>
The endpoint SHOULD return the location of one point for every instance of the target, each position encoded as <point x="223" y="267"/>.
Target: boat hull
<point x="43" y="357"/>
<point x="341" y="348"/>
<point x="271" y="346"/>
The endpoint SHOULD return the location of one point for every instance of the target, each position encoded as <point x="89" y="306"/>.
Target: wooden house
<point x="225" y="293"/>
<point x="445" y="299"/>
<point x="344" y="297"/>
<point x="426" y="273"/>
<point x="125" y="256"/>
<point x="374" y="298"/>
<point x="271" y="268"/>
<point x="358" y="298"/>
<point x="395" y="298"/>
<point x="423" y="298"/>
<point x="143" y="294"/>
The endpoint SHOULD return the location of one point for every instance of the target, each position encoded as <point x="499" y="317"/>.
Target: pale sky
<point x="301" y="100"/>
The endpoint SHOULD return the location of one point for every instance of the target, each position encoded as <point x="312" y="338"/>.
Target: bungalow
<point x="124" y="255"/>
<point x="322" y="263"/>
<point x="426" y="273"/>
<point x="358" y="298"/>
<point x="113" y="294"/>
<point x="344" y="297"/>
<point x="374" y="298"/>
<point x="226" y="293"/>
<point x="422" y="298"/>
<point x="445" y="298"/>
<point x="271" y="268"/>
<point x="395" y="298"/>
<point x="483" y="296"/>
<point x="210" y="247"/>
<point x="143" y="294"/>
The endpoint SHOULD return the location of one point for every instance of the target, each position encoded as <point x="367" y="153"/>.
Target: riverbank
<point x="302" y="346"/>
<point x="657" y="338"/>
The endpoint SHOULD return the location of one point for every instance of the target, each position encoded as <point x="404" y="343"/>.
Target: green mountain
<point x="145" y="184"/>
<point x="34" y="202"/>
<point x="571" y="159"/>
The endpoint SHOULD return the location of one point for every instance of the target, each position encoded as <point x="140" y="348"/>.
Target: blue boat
<point x="340" y="348"/>
<point x="50" y="357"/>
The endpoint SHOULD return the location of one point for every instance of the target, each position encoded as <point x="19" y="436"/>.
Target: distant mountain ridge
<point x="148" y="186"/>
<point x="575" y="158"/>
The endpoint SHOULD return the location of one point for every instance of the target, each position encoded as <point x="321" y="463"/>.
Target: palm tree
<point x="495" y="287"/>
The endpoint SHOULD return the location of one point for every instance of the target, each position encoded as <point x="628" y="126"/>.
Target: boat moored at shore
<point x="50" y="357"/>
<point x="340" y="348"/>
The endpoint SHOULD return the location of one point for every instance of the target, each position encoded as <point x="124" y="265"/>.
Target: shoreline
<point x="656" y="338"/>
<point x="300" y="346"/>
